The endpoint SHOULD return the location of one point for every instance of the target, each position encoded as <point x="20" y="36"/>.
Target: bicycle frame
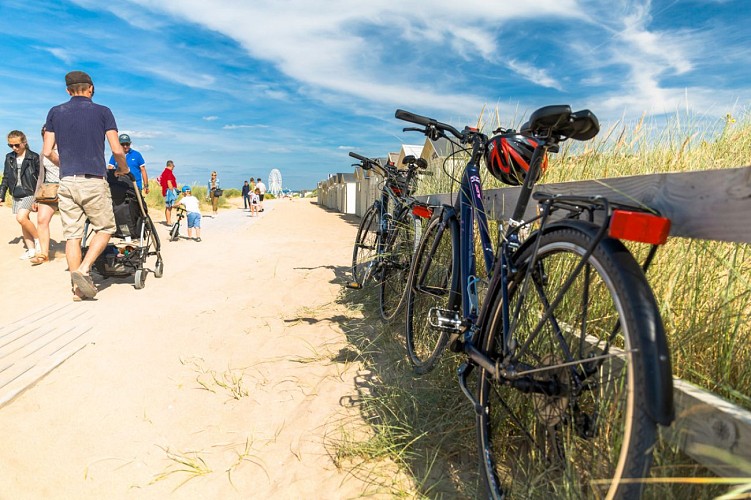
<point x="471" y="208"/>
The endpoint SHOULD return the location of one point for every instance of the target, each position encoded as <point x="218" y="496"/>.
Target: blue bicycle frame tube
<point x="470" y="206"/>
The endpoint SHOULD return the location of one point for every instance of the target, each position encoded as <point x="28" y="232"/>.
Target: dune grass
<point x="156" y="200"/>
<point x="427" y="427"/>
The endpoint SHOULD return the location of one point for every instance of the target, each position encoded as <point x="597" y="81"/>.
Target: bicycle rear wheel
<point x="429" y="296"/>
<point x="573" y="424"/>
<point x="366" y="246"/>
<point x="396" y="260"/>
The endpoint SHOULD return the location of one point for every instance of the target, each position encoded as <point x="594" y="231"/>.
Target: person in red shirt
<point x="169" y="190"/>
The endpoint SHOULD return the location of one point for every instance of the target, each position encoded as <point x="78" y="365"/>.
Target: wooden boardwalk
<point x="34" y="345"/>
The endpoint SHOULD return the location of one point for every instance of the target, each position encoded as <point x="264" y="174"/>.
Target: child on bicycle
<point x="191" y="205"/>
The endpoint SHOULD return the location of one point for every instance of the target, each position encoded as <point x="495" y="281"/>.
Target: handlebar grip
<point x="413" y="118"/>
<point x="359" y="157"/>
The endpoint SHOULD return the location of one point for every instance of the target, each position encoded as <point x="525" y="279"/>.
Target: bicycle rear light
<point x="422" y="211"/>
<point x="639" y="226"/>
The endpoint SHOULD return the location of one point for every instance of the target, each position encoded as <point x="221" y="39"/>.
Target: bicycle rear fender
<point x="657" y="364"/>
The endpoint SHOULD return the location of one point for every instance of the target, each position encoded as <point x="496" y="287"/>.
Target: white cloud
<point x="60" y="53"/>
<point x="210" y="118"/>
<point x="535" y="75"/>
<point x="324" y="44"/>
<point x="235" y="127"/>
<point x="143" y="134"/>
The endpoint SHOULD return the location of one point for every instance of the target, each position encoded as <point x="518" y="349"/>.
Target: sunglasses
<point x="125" y="144"/>
<point x="14" y="146"/>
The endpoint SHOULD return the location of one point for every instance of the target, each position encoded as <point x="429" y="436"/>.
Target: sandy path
<point x="250" y="310"/>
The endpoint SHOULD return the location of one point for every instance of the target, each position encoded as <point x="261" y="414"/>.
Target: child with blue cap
<point x="193" y="210"/>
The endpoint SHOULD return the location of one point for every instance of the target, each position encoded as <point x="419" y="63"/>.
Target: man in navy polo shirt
<point x="79" y="128"/>
<point x="135" y="163"/>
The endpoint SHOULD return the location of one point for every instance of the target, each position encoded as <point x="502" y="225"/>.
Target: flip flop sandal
<point x="84" y="283"/>
<point x="77" y="295"/>
<point x="39" y="258"/>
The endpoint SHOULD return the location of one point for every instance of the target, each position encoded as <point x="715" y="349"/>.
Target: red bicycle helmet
<point x="508" y="156"/>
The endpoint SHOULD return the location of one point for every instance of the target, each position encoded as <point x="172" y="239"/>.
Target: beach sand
<point x="220" y="380"/>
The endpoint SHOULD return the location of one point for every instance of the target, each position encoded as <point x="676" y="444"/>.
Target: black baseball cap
<point x="75" y="77"/>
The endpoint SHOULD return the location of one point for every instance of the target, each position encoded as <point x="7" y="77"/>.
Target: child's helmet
<point x="186" y="189"/>
<point x="508" y="156"/>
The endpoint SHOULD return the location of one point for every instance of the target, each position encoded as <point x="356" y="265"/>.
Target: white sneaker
<point x="28" y="254"/>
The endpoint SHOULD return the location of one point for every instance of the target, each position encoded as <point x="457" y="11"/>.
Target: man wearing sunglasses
<point x="135" y="162"/>
<point x="79" y="127"/>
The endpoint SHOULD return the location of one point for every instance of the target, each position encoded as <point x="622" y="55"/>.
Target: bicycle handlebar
<point x="365" y="162"/>
<point x="359" y="157"/>
<point x="428" y="123"/>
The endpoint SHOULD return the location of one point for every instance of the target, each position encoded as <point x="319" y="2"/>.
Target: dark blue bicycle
<point x="389" y="232"/>
<point x="560" y="328"/>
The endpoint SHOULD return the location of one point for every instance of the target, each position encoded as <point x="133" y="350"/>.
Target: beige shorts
<point x="84" y="198"/>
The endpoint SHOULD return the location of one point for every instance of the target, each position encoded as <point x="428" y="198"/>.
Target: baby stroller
<point x="135" y="238"/>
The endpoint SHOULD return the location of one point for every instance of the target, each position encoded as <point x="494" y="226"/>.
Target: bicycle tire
<point x="366" y="246"/>
<point x="584" y="441"/>
<point x="395" y="262"/>
<point x="429" y="290"/>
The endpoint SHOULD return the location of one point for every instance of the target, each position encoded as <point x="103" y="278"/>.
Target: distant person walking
<point x="135" y="161"/>
<point x="20" y="176"/>
<point x="49" y="173"/>
<point x="213" y="193"/>
<point x="169" y="190"/>
<point x="246" y="195"/>
<point x="261" y="190"/>
<point x="79" y="128"/>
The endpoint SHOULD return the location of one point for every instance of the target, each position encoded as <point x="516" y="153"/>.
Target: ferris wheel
<point x="275" y="182"/>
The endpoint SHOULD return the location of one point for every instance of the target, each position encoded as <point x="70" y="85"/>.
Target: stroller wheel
<point x="140" y="279"/>
<point x="159" y="269"/>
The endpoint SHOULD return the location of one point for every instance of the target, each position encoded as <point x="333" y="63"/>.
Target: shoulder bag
<point x="47" y="193"/>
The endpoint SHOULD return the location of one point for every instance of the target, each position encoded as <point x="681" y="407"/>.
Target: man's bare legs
<point x="97" y="244"/>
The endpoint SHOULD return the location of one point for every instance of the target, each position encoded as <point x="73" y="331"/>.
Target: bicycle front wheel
<point x="396" y="259"/>
<point x="571" y="422"/>
<point x="430" y="300"/>
<point x="366" y="246"/>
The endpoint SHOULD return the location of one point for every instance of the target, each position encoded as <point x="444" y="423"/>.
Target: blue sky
<point x="244" y="86"/>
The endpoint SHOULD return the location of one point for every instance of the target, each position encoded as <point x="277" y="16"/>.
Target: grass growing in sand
<point x="231" y="381"/>
<point x="156" y="200"/>
<point x="426" y="426"/>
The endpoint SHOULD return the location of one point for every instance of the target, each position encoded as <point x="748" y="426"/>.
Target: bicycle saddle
<point x="559" y="121"/>
<point x="420" y="162"/>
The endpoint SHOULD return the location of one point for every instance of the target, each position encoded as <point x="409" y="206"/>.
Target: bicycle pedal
<point x="444" y="319"/>
<point x="354" y="285"/>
